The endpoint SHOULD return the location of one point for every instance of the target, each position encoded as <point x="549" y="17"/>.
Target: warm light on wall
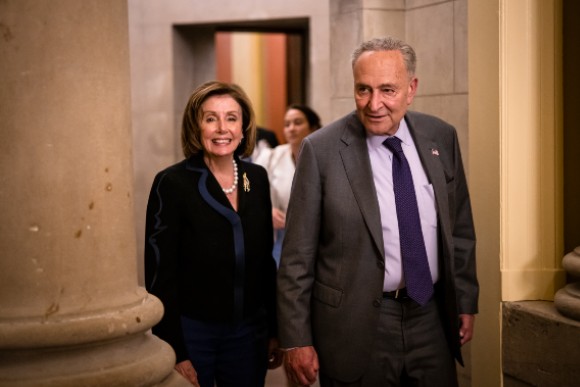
<point x="256" y="62"/>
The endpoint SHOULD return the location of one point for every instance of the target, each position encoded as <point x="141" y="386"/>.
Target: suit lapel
<point x="359" y="174"/>
<point x="429" y="154"/>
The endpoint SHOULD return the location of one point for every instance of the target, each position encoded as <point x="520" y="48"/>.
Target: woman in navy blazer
<point x="208" y="252"/>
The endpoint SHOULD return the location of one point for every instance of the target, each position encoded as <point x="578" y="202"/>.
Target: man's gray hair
<point x="388" y="44"/>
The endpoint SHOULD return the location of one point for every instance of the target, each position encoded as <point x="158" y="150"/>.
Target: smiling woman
<point x="221" y="127"/>
<point x="208" y="250"/>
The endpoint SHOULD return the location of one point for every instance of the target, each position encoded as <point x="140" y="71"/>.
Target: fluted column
<point x="71" y="311"/>
<point x="567" y="299"/>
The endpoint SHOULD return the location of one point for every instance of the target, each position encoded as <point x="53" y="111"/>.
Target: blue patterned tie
<point x="413" y="254"/>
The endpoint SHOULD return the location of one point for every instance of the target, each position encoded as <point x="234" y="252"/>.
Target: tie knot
<point x="394" y="145"/>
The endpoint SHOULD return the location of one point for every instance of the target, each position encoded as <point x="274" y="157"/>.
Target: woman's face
<point x="221" y="125"/>
<point x="296" y="126"/>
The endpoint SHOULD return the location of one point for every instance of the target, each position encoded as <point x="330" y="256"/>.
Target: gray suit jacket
<point x="331" y="274"/>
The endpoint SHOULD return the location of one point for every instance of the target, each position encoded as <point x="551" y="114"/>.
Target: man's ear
<point x="412" y="90"/>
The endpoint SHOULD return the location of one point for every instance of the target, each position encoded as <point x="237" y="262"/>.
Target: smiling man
<point x="377" y="283"/>
<point x="383" y="89"/>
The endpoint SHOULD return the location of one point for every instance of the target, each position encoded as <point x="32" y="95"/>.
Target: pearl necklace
<point x="228" y="191"/>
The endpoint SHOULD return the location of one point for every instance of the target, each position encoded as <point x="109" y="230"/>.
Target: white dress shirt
<point x="381" y="163"/>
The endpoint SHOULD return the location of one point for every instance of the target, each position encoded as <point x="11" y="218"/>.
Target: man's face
<point x="382" y="90"/>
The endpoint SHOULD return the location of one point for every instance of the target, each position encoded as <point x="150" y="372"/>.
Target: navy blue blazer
<point x="200" y="254"/>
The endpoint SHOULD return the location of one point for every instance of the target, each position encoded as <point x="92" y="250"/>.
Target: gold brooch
<point x="246" y="183"/>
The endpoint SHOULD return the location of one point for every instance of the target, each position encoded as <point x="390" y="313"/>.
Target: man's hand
<point x="185" y="368"/>
<point x="466" y="322"/>
<point x="302" y="365"/>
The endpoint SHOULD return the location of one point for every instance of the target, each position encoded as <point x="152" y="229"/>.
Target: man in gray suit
<point x="347" y="300"/>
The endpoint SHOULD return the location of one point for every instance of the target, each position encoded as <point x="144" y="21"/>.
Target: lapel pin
<point x="434" y="152"/>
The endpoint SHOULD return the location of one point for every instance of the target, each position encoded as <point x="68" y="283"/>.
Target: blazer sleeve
<point x="269" y="264"/>
<point x="297" y="264"/>
<point x="162" y="235"/>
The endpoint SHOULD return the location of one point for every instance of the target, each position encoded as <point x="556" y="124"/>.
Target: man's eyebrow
<point x="388" y="85"/>
<point x="382" y="85"/>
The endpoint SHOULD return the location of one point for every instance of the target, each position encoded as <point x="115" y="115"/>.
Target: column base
<point x="567" y="301"/>
<point x="110" y="347"/>
<point x="138" y="360"/>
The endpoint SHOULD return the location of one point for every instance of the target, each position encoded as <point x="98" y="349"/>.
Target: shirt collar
<point x="402" y="133"/>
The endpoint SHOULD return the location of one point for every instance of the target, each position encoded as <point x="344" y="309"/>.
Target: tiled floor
<point x="276" y="378"/>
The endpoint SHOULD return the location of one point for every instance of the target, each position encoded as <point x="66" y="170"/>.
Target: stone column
<point x="71" y="312"/>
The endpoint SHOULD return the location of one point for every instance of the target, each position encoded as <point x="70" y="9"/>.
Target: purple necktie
<point x="413" y="254"/>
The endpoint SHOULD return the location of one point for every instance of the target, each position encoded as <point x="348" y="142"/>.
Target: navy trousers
<point x="228" y="355"/>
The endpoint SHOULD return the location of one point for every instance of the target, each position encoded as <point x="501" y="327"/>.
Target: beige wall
<point x="484" y="110"/>
<point x="438" y="32"/>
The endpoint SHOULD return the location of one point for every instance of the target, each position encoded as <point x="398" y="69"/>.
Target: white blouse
<point x="280" y="166"/>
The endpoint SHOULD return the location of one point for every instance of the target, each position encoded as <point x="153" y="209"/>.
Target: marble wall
<point x="438" y="32"/>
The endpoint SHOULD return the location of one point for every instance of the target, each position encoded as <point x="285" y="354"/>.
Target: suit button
<point x="377" y="303"/>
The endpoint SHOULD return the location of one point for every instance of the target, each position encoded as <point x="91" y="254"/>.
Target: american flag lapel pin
<point x="434" y="152"/>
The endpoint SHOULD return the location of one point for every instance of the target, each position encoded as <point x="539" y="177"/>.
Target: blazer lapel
<point x="359" y="174"/>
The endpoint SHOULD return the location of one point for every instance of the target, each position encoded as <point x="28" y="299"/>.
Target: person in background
<point x="206" y="255"/>
<point x="266" y="136"/>
<point x="377" y="283"/>
<point x="265" y="140"/>
<point x="280" y="162"/>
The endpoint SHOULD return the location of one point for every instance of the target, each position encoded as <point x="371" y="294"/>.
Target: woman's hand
<point x="185" y="368"/>
<point x="278" y="218"/>
<point x="275" y="355"/>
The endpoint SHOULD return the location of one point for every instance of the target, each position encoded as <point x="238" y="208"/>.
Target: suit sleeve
<point x="297" y="264"/>
<point x="466" y="283"/>
<point x="162" y="235"/>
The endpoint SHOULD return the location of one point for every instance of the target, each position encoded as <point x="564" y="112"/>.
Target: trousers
<point x="410" y="350"/>
<point x="228" y="354"/>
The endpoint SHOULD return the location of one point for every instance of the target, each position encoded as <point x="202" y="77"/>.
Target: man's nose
<point x="375" y="101"/>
